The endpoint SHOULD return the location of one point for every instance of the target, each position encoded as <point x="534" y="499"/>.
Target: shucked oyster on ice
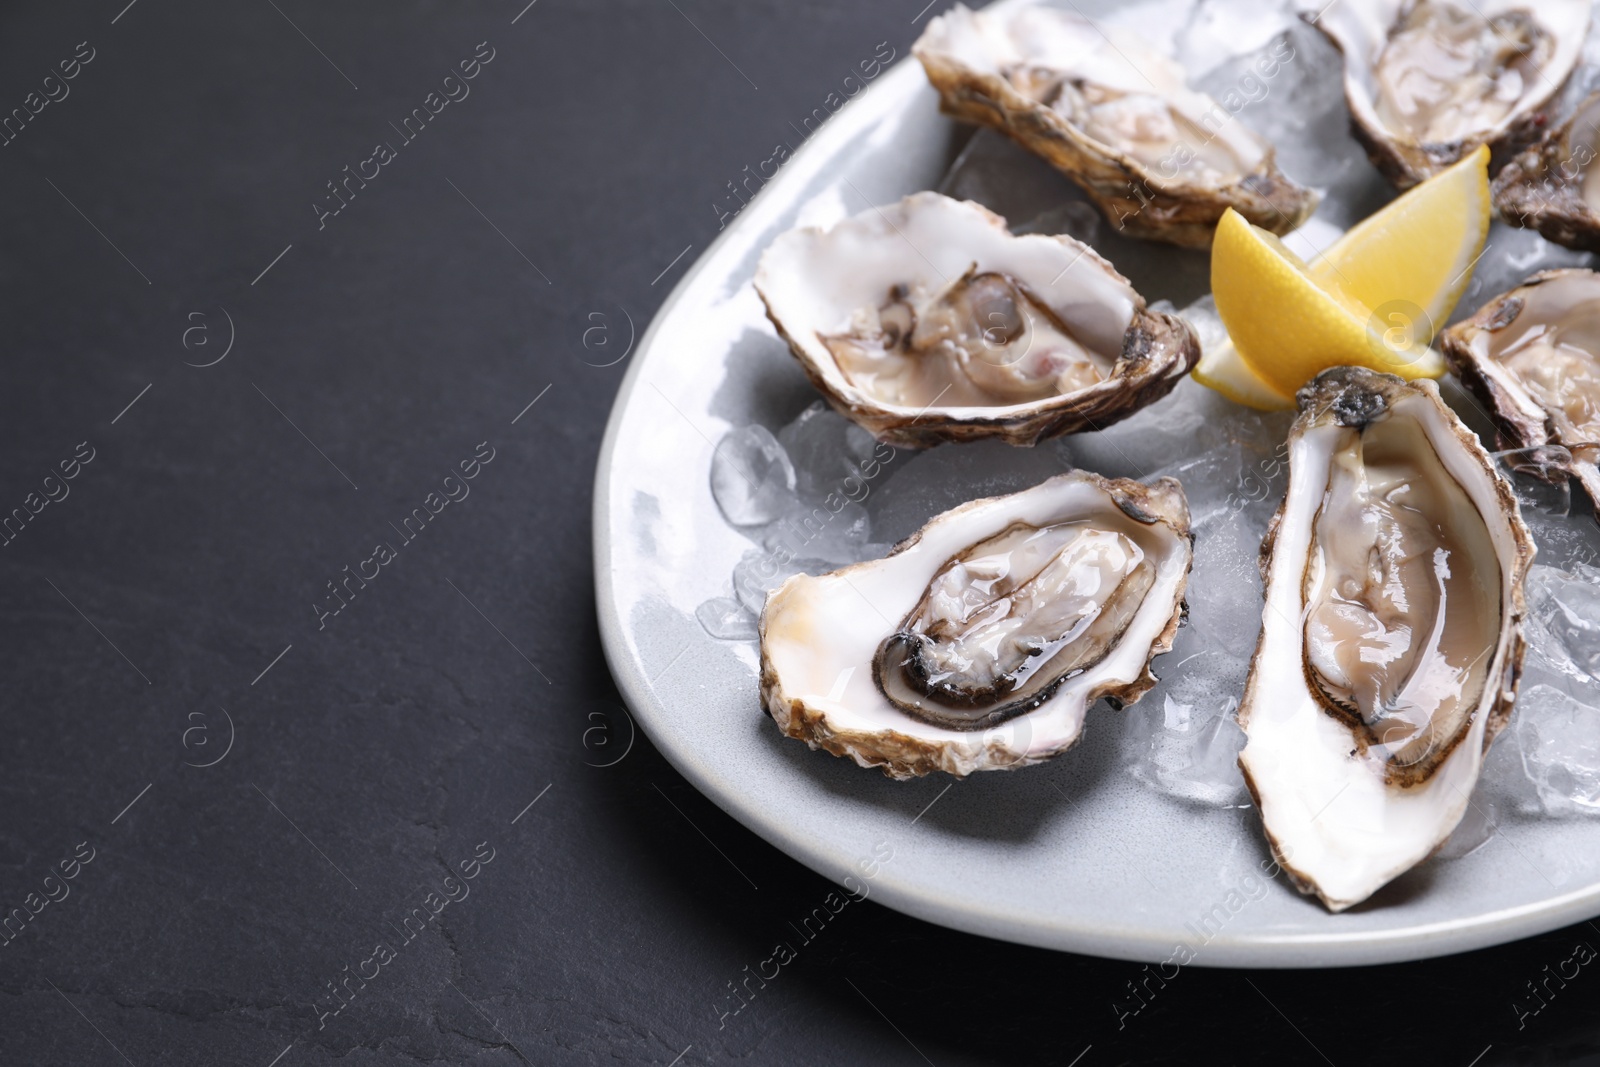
<point x="1532" y="356"/>
<point x="1428" y="81"/>
<point x="1161" y="160"/>
<point x="1391" y="639"/>
<point x="1553" y="187"/>
<point x="928" y="321"/>
<point x="980" y="641"/>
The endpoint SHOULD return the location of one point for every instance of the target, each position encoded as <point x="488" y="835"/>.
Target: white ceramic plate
<point x="1071" y="855"/>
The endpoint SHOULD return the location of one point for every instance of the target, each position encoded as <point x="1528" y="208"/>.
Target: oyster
<point x="1161" y="160"/>
<point x="1552" y="188"/>
<point x="1391" y="639"/>
<point x="928" y="321"/>
<point x="1428" y="81"/>
<point x="1532" y="356"/>
<point x="980" y="641"/>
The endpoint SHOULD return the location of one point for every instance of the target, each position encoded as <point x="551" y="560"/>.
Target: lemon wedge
<point x="1420" y="249"/>
<point x="1288" y="327"/>
<point x="1222" y="369"/>
<point x="1375" y="298"/>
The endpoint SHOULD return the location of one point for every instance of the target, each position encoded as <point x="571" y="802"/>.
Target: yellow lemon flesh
<point x="1288" y="327"/>
<point x="1420" y="249"/>
<point x="1374" y="299"/>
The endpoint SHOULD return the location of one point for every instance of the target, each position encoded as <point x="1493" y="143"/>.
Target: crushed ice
<point x="820" y="492"/>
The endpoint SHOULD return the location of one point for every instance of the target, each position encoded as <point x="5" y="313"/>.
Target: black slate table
<point x="311" y="755"/>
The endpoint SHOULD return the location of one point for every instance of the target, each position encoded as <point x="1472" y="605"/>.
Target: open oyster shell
<point x="928" y="321"/>
<point x="1162" y="161"/>
<point x="980" y="641"/>
<point x="1532" y="356"/>
<point x="1391" y="639"/>
<point x="1553" y="186"/>
<point x="1428" y="81"/>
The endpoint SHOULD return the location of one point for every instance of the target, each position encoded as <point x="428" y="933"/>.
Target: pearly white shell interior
<point x="1332" y="816"/>
<point x="1362" y="27"/>
<point x="814" y="280"/>
<point x="823" y="632"/>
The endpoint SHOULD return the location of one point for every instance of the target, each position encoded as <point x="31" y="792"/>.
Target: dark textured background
<point x="376" y="754"/>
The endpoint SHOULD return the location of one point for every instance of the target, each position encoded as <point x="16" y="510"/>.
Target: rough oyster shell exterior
<point x="1133" y="197"/>
<point x="1361" y="28"/>
<point x="1542" y="188"/>
<point x="1522" y="422"/>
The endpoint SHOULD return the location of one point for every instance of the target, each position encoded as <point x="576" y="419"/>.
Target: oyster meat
<point x="1428" y="81"/>
<point x="1553" y="187"/>
<point x="980" y="641"/>
<point x="1162" y="161"/>
<point x="928" y="321"/>
<point x="1391" y="639"/>
<point x="1532" y="356"/>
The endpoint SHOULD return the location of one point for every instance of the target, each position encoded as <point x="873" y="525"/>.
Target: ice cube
<point x="727" y="620"/>
<point x="1559" y="740"/>
<point x="1523" y="467"/>
<point x="1183" y="739"/>
<point x="1208" y="479"/>
<point x="1034" y="198"/>
<point x="1202" y="315"/>
<point x="1219" y="31"/>
<point x="924" y="484"/>
<point x="1192" y="420"/>
<point x="1224" y="591"/>
<point x="1027" y="192"/>
<point x="830" y="454"/>
<point x="1138" y="446"/>
<point x="1186" y="751"/>
<point x="1510" y="257"/>
<point x="752" y="479"/>
<point x="1188" y="746"/>
<point x="1292" y="93"/>
<point x="1563" y="527"/>
<point x="1564" y="619"/>
<point x="1212" y="774"/>
<point x="1564" y="541"/>
<point x="1009" y="180"/>
<point x="836" y="532"/>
